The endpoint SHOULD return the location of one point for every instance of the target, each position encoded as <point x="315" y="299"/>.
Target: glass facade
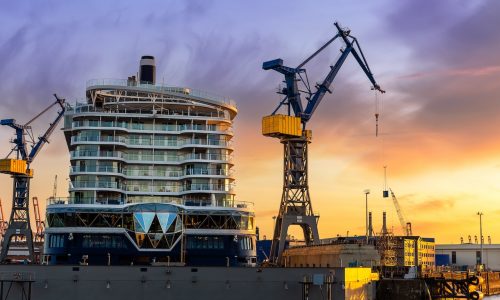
<point x="128" y="146"/>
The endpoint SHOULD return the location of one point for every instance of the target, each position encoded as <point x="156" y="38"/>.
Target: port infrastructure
<point x="19" y="168"/>
<point x="291" y="130"/>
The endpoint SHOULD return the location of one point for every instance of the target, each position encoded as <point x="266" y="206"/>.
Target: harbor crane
<point x="19" y="167"/>
<point x="405" y="226"/>
<point x="291" y="130"/>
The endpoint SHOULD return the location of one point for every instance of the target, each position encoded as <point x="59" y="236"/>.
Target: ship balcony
<point x="85" y="109"/>
<point x="152" y="174"/>
<point x="101" y="170"/>
<point x="90" y="154"/>
<point x="93" y="185"/>
<point x="152" y="128"/>
<point x="179" y="159"/>
<point x="149" y="143"/>
<point x="208" y="188"/>
<point x="178" y="189"/>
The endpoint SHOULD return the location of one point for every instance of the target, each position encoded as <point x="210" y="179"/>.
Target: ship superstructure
<point x="151" y="177"/>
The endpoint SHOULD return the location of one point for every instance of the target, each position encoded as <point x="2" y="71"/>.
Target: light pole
<point x="480" y="214"/>
<point x="367" y="191"/>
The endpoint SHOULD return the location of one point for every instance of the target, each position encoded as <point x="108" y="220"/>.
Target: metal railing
<point x="96" y="184"/>
<point x="152" y="173"/>
<point x="152" y="127"/>
<point x="150" y="142"/>
<point x="161" y="89"/>
<point x="85" y="108"/>
<point x="94" y="169"/>
<point x="185" y="201"/>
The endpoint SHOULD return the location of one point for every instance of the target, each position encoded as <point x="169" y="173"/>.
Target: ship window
<point x="453" y="257"/>
<point x="205" y="242"/>
<point x="56" y="241"/>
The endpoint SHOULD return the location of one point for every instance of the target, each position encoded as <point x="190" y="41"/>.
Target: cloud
<point x="434" y="205"/>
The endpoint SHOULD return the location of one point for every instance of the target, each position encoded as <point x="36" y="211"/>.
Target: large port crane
<point x="19" y="168"/>
<point x="296" y="208"/>
<point x="405" y="225"/>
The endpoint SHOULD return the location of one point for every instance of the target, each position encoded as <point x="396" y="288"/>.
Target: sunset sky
<point x="440" y="118"/>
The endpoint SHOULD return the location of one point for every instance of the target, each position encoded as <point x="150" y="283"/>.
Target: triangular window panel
<point x="166" y="220"/>
<point x="138" y="224"/>
<point x="155" y="226"/>
<point x="162" y="244"/>
<point x="144" y="219"/>
<point x="155" y="238"/>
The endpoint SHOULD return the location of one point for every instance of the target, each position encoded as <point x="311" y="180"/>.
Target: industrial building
<point x="467" y="255"/>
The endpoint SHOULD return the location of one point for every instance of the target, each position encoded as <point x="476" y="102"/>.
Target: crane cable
<point x="377" y="113"/>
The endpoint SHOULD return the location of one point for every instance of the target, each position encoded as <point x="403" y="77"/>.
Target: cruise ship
<point x="151" y="179"/>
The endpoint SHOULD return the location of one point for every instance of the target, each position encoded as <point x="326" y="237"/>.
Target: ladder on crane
<point x="406" y="226"/>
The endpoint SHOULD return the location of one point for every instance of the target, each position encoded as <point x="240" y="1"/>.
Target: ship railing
<point x="207" y="156"/>
<point x="94" y="169"/>
<point x="83" y="200"/>
<point x="57" y="200"/>
<point x="209" y="187"/>
<point x="97" y="138"/>
<point x="153" y="189"/>
<point x="221" y="203"/>
<point x="208" y="171"/>
<point x="185" y="201"/>
<point x="151" y="157"/>
<point x="162" y="188"/>
<point x="161" y="88"/>
<point x="96" y="184"/>
<point x="152" y="127"/>
<point x="151" y="141"/>
<point x="152" y="173"/>
<point x="93" y="153"/>
<point x="81" y="108"/>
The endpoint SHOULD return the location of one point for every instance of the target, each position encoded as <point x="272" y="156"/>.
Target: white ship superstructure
<point x="134" y="141"/>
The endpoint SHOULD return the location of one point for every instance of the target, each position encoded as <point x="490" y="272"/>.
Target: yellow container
<point x="277" y="125"/>
<point x="13" y="166"/>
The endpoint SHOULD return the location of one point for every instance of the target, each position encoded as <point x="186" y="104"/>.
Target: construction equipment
<point x="40" y="225"/>
<point x="386" y="245"/>
<point x="295" y="207"/>
<point x="406" y="226"/>
<point x="3" y="223"/>
<point x="19" y="168"/>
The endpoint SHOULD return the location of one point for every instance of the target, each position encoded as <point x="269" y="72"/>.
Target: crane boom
<point x="406" y="226"/>
<point x="296" y="205"/>
<point x="19" y="168"/>
<point x="292" y="93"/>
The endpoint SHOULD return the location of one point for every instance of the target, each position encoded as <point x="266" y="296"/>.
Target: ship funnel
<point x="147" y="70"/>
<point x="384" y="223"/>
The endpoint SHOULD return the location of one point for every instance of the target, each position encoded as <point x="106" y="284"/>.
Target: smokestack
<point x="384" y="223"/>
<point x="370" y="225"/>
<point x="147" y="70"/>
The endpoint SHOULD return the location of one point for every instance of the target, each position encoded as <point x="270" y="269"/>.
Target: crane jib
<point x="292" y="92"/>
